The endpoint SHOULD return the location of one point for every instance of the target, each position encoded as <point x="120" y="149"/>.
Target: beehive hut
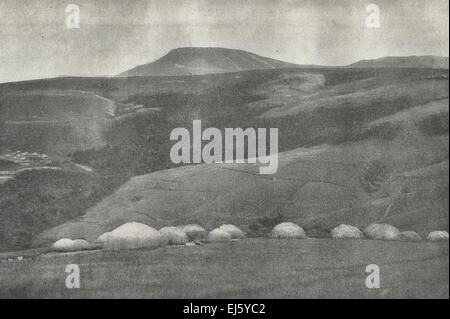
<point x="410" y="235"/>
<point x="194" y="231"/>
<point x="103" y="237"/>
<point x="288" y="230"/>
<point x="62" y="243"/>
<point x="174" y="235"/>
<point x="382" y="231"/>
<point x="218" y="235"/>
<point x="66" y="244"/>
<point x="438" y="235"/>
<point x="344" y="231"/>
<point x="132" y="236"/>
<point x="80" y="243"/>
<point x="234" y="231"/>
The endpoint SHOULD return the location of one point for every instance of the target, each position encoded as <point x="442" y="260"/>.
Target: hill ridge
<point x="205" y="60"/>
<point x="411" y="61"/>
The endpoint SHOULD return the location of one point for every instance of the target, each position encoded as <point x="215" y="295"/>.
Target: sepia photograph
<point x="224" y="150"/>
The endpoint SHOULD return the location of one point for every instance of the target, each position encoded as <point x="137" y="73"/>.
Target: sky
<point x="117" y="35"/>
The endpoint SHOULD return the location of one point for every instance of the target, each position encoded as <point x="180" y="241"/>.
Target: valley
<point x="120" y="128"/>
<point x="357" y="145"/>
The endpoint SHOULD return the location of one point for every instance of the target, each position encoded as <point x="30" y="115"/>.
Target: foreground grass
<point x="252" y="268"/>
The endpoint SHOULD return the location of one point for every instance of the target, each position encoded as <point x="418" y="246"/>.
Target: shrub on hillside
<point x="373" y="174"/>
<point x="174" y="235"/>
<point x="194" y="231"/>
<point x="435" y="124"/>
<point x="264" y="225"/>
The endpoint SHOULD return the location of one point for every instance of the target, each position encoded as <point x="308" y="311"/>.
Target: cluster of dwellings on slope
<point x="12" y="163"/>
<point x="26" y="158"/>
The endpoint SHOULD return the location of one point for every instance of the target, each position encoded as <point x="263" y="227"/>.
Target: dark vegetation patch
<point x="373" y="175"/>
<point x="435" y="124"/>
<point x="263" y="225"/>
<point x="386" y="131"/>
<point x="40" y="199"/>
<point x="6" y="165"/>
<point x="140" y="144"/>
<point x="41" y="137"/>
<point x="318" y="232"/>
<point x="136" y="198"/>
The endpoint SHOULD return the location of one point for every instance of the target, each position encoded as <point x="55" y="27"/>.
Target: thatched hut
<point x="344" y="231"/>
<point x="218" y="235"/>
<point x="66" y="244"/>
<point x="438" y="235"/>
<point x="410" y="235"/>
<point x="103" y="237"/>
<point x="132" y="236"/>
<point x="382" y="231"/>
<point x="288" y="230"/>
<point x="234" y="231"/>
<point x="174" y="235"/>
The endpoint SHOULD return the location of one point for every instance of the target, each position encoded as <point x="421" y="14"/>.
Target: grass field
<point x="252" y="268"/>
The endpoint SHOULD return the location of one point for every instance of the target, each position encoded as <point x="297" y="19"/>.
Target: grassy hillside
<point x="54" y="122"/>
<point x="318" y="187"/>
<point x="310" y="107"/>
<point x="37" y="199"/>
<point x="350" y="116"/>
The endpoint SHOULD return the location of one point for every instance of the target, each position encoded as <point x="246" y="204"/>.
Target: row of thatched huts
<point x="134" y="235"/>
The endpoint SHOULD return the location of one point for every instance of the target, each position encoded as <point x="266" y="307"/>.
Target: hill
<point x="320" y="187"/>
<point x="197" y="60"/>
<point x="365" y="114"/>
<point x="425" y="61"/>
<point x="54" y="122"/>
<point x="33" y="199"/>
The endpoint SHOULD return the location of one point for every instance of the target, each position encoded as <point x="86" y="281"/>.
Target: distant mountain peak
<point x="205" y="60"/>
<point x="413" y="61"/>
<point x="208" y="60"/>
